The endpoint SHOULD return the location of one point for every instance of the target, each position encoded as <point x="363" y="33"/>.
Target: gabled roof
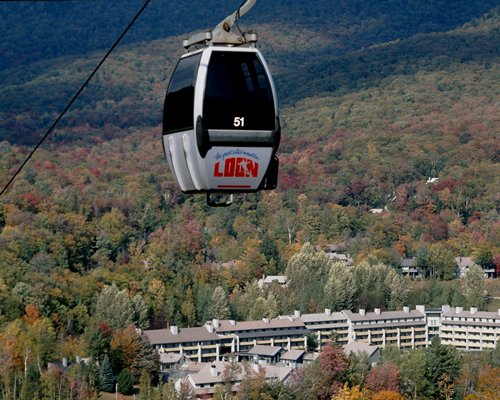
<point x="268" y="351"/>
<point x="171" y="358"/>
<point x="311" y="356"/>
<point x="360" y="347"/>
<point x="293" y="355"/>
<point x="212" y="373"/>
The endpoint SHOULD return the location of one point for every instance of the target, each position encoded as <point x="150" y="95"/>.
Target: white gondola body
<point x="232" y="162"/>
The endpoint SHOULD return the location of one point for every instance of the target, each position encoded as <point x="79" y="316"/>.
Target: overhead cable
<point x="49" y="131"/>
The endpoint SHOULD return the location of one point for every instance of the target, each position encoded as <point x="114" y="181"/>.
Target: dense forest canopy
<point x="372" y="107"/>
<point x="78" y="27"/>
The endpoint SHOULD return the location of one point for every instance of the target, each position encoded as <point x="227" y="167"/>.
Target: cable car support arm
<point x="222" y="33"/>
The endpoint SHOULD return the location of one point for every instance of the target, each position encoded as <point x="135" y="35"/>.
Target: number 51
<point x="239" y="121"/>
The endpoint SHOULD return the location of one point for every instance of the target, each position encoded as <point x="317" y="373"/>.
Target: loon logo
<point x="238" y="167"/>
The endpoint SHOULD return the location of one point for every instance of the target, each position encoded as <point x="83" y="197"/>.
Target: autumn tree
<point x="385" y="376"/>
<point x="387" y="395"/>
<point x="332" y="363"/>
<point x="113" y="233"/>
<point x="488" y="384"/>
<point x="351" y="393"/>
<point x="125" y="346"/>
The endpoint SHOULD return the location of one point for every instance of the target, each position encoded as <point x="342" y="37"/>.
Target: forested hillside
<point x="95" y="236"/>
<point x="61" y="28"/>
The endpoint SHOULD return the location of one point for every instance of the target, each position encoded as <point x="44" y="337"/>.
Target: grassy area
<point x="493" y="287"/>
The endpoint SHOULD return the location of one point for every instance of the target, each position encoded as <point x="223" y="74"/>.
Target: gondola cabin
<point x="221" y="127"/>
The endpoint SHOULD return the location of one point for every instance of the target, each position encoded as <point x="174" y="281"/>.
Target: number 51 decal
<point x="239" y="121"/>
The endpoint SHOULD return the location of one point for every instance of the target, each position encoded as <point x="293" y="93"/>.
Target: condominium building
<point x="239" y="336"/>
<point x="220" y="337"/>
<point x="470" y="330"/>
<point x="404" y="329"/>
<point x="322" y="325"/>
<point x="433" y="318"/>
<point x="198" y="344"/>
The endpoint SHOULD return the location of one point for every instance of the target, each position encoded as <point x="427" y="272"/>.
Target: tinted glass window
<point x="238" y="93"/>
<point x="179" y="101"/>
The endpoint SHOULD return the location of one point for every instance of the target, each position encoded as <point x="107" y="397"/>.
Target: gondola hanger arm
<point x="222" y="33"/>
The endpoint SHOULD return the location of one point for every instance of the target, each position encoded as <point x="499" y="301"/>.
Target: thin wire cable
<point x="49" y="131"/>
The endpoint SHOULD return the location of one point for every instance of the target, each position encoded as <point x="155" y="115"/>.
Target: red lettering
<point x="217" y="172"/>
<point x="253" y="168"/>
<point x="230" y="167"/>
<point x="240" y="172"/>
<point x="238" y="167"/>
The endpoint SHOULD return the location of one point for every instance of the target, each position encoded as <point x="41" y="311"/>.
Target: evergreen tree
<point x="106" y="377"/>
<point x="124" y="381"/>
<point x="413" y="370"/>
<point x="442" y="368"/>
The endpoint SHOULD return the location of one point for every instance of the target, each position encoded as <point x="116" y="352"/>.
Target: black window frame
<point x="178" y="110"/>
<point x="238" y="86"/>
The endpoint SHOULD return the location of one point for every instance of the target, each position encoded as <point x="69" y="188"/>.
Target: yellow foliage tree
<point x="354" y="393"/>
<point x="387" y="395"/>
<point x="488" y="385"/>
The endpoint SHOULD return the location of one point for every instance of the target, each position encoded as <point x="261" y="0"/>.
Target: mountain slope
<point x="35" y="31"/>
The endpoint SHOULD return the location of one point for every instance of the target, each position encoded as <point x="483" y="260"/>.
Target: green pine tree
<point x="125" y="384"/>
<point x="106" y="377"/>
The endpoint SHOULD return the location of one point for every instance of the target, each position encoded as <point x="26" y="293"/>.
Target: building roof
<point x="384" y="315"/>
<point x="171" y="358"/>
<point x="226" y="326"/>
<point x="293" y="355"/>
<point x="282" y="279"/>
<point x="464" y="262"/>
<point x="408" y="263"/>
<point x="268" y="280"/>
<point x="318" y="317"/>
<point x="261" y="350"/>
<point x="311" y="356"/>
<point x="212" y="373"/>
<point x="360" y="347"/>
<point x="346" y="258"/>
<point x="185" y="335"/>
<point x="460" y="312"/>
